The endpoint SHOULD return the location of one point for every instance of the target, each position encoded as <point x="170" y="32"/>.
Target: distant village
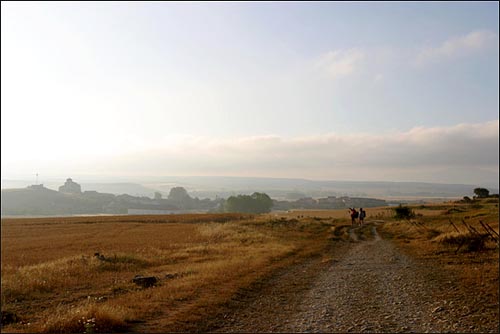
<point x="70" y="200"/>
<point x="330" y="202"/>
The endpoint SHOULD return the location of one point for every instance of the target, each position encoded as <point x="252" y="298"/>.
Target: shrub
<point x="403" y="212"/>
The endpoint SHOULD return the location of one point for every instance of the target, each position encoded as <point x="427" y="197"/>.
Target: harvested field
<point x="50" y="271"/>
<point x="200" y="266"/>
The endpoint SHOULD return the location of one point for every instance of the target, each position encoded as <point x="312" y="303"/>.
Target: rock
<point x="9" y="318"/>
<point x="171" y="276"/>
<point x="145" y="281"/>
<point x="100" y="256"/>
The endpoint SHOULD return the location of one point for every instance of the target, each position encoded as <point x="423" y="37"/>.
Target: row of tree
<point x="255" y="203"/>
<point x="40" y="200"/>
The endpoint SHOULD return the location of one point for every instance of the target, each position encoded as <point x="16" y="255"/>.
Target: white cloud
<point x="457" y="46"/>
<point x="378" y="78"/>
<point x="465" y="151"/>
<point x="340" y="63"/>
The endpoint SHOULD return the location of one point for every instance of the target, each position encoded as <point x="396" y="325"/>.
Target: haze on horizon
<point x="316" y="90"/>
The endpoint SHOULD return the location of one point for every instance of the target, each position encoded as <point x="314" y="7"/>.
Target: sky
<point x="386" y="91"/>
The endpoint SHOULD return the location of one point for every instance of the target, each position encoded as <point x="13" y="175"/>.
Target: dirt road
<point x="366" y="285"/>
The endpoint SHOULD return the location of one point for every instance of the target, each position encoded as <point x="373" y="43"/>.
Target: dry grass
<point x="433" y="240"/>
<point x="90" y="317"/>
<point x="432" y="223"/>
<point x="372" y="213"/>
<point x="472" y="242"/>
<point x="340" y="232"/>
<point x="52" y="281"/>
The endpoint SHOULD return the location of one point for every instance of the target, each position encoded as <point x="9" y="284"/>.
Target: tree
<point x="481" y="192"/>
<point x="157" y="195"/>
<point x="264" y="203"/>
<point x="256" y="203"/>
<point x="180" y="198"/>
<point x="178" y="194"/>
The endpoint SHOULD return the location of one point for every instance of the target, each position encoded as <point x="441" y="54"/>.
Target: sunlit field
<point x="53" y="280"/>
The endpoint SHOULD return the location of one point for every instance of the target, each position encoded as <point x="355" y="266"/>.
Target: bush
<point x="403" y="212"/>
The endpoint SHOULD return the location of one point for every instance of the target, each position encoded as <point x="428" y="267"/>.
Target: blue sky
<point x="178" y="84"/>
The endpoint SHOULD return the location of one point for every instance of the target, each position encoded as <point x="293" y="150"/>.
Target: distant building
<point x="329" y="200"/>
<point x="70" y="187"/>
<point x="90" y="192"/>
<point x="307" y="201"/>
<point x="37" y="187"/>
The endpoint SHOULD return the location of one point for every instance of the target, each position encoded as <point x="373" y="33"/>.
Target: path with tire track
<point x="371" y="287"/>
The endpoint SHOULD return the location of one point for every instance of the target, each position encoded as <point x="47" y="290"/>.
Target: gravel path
<point x="372" y="287"/>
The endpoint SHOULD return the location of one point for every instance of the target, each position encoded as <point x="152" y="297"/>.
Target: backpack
<point x="356" y="214"/>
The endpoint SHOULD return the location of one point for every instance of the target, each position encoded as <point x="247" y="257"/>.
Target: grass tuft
<point x="472" y="242"/>
<point x="88" y="318"/>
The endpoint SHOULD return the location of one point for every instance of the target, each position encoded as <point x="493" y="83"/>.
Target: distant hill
<point x="116" y="188"/>
<point x="285" y="188"/>
<point x="277" y="188"/>
<point x="43" y="201"/>
<point x="37" y="200"/>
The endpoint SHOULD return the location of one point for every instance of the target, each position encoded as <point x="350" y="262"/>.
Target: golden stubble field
<point x="450" y="236"/>
<point x="52" y="282"/>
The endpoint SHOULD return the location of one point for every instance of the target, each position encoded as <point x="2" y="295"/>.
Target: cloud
<point x="378" y="78"/>
<point x="464" y="153"/>
<point x="457" y="46"/>
<point x="340" y="63"/>
<point x="469" y="152"/>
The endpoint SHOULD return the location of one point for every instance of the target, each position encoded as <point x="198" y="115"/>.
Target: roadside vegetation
<point x="461" y="239"/>
<point x="459" y="227"/>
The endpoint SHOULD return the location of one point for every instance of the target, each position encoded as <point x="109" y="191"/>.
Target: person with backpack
<point x="362" y="215"/>
<point x="354" y="215"/>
